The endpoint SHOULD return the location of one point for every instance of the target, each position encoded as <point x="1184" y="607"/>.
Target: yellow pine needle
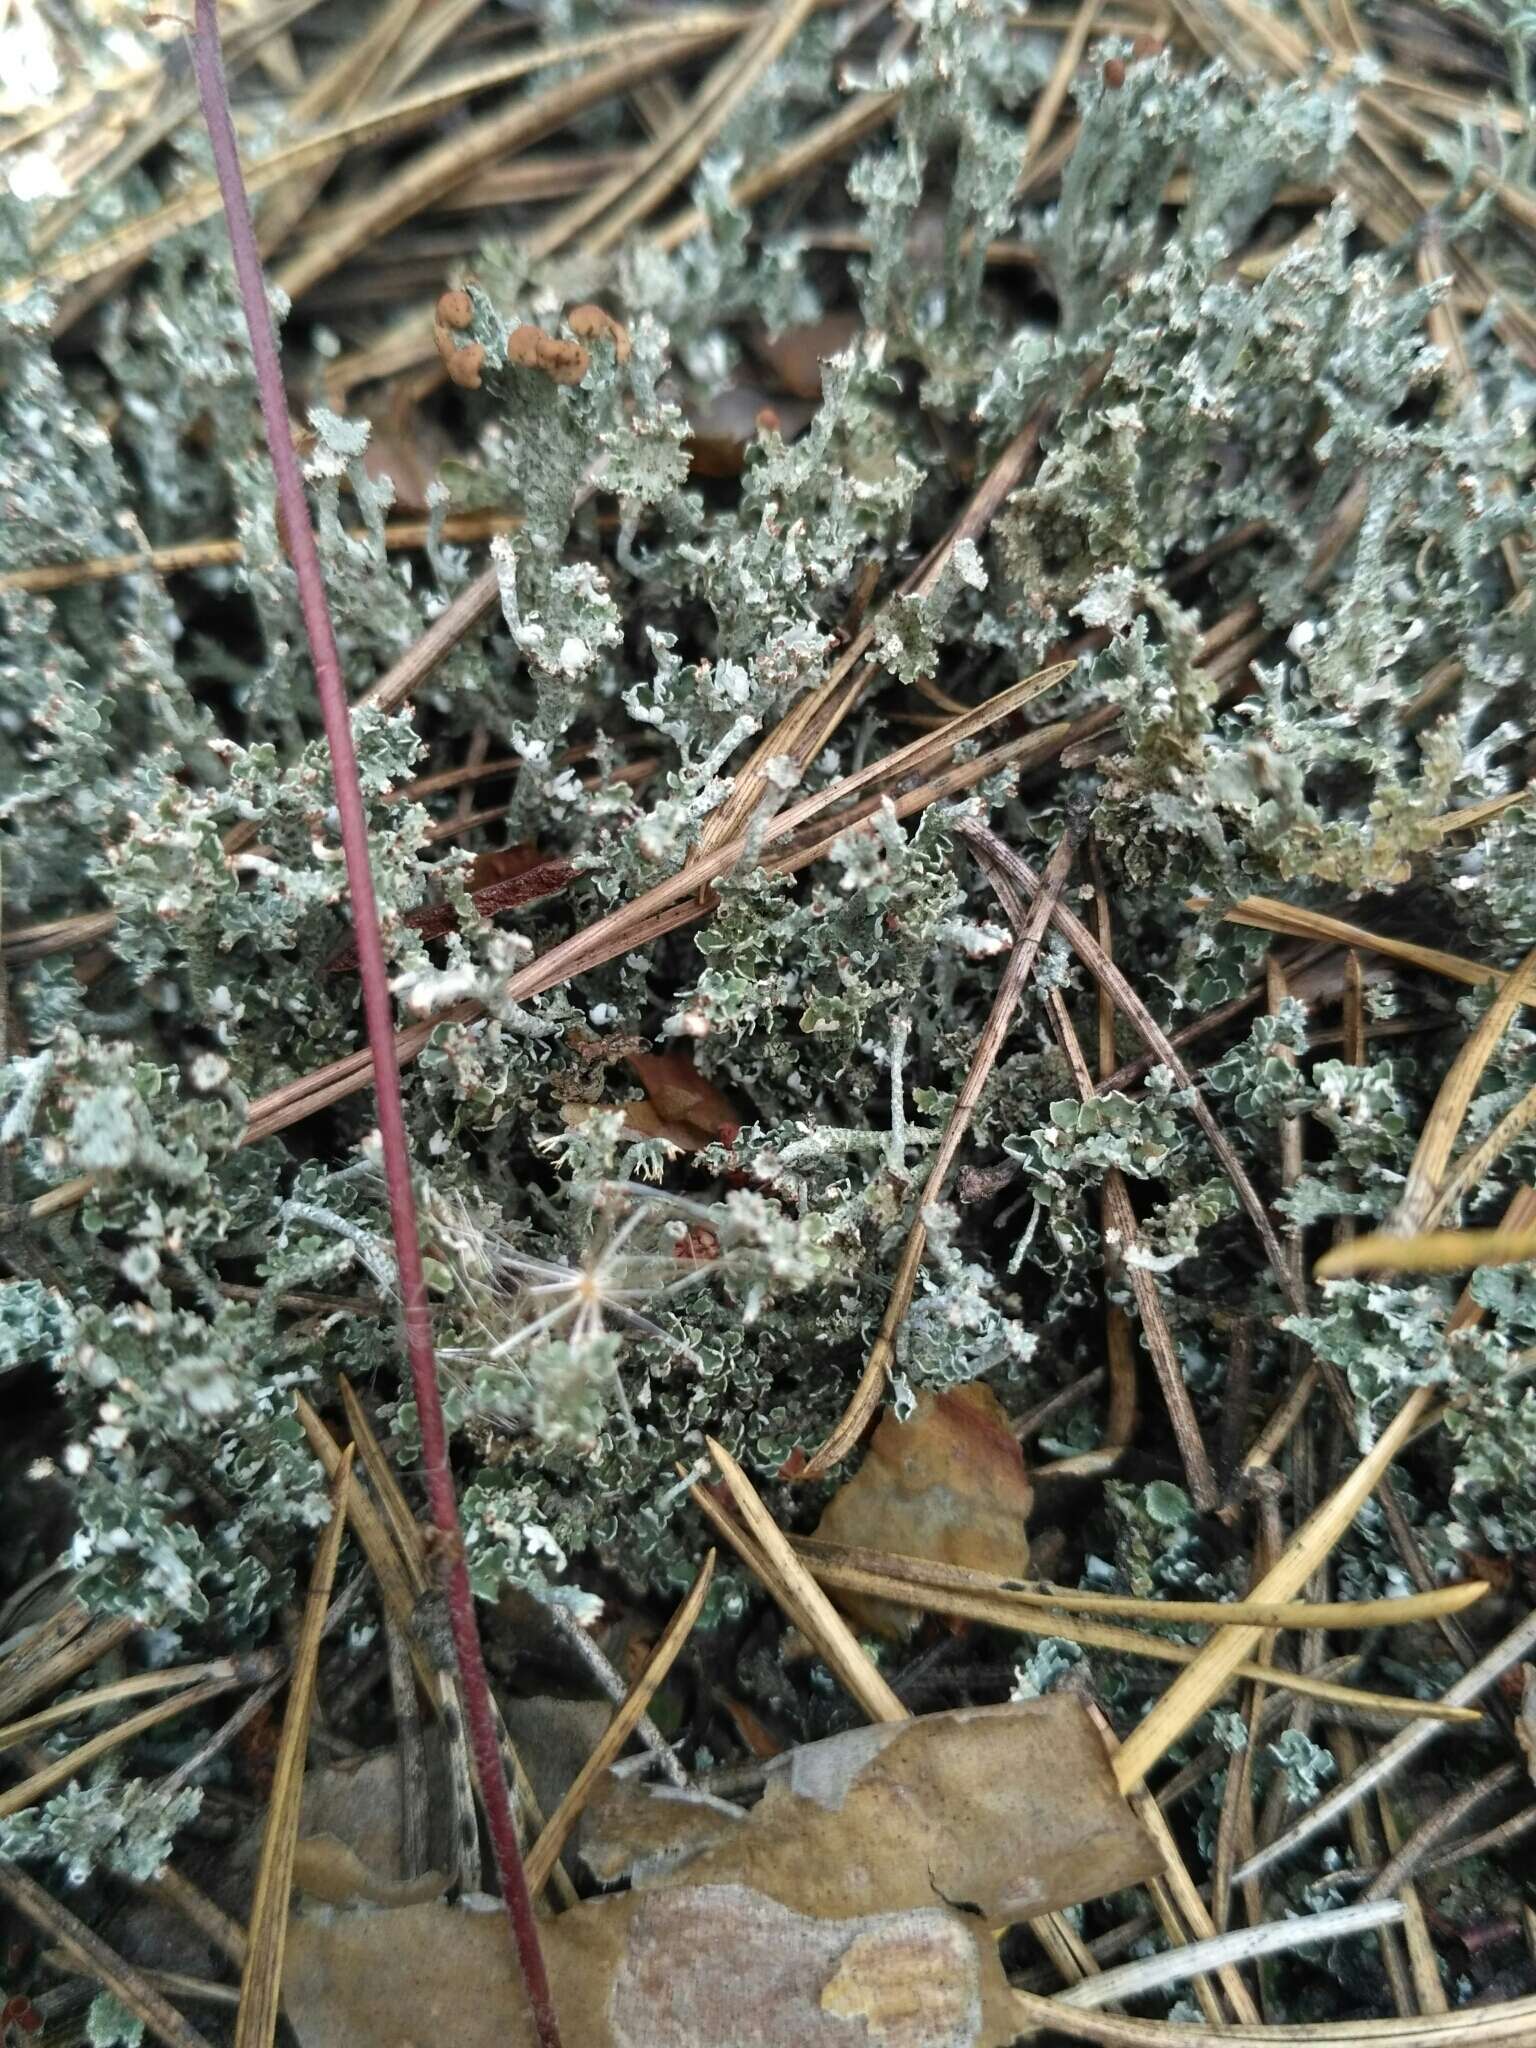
<point x="1208" y="1676"/>
<point x="1510" y="2025"/>
<point x="1272" y="916"/>
<point x="1432" y="1251"/>
<point x="1454" y="1097"/>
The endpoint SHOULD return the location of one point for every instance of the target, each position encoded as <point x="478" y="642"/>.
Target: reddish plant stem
<point x="208" y="64"/>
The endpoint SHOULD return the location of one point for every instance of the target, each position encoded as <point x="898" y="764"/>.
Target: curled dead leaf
<point x="681" y="1108"/>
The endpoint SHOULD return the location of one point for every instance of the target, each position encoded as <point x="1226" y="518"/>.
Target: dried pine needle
<point x="1510" y="2025"/>
<point x="1272" y="916"/>
<point x="217" y="1670"/>
<point x="1010" y="992"/>
<point x="1398" y="1611"/>
<point x="62" y="1769"/>
<point x="89" y="1953"/>
<point x="1206" y="1678"/>
<point x="1001" y="1613"/>
<point x="807" y="1605"/>
<point x="1508" y="1651"/>
<point x="1454" y="1098"/>
<point x="1432" y="1251"/>
<point x="545" y="1852"/>
<point x="262" y="1977"/>
<point x="1239" y="1945"/>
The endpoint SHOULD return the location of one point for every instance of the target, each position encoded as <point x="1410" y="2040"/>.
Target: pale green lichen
<point x="648" y="615"/>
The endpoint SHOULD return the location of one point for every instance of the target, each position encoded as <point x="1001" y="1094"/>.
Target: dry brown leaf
<point x="948" y="1485"/>
<point x="680" y="1107"/>
<point x="721" y="429"/>
<point x="627" y="1833"/>
<point x="1011" y="1809"/>
<point x="754" y="1734"/>
<point x="716" y="1966"/>
<point x="797" y="354"/>
<point x="326" y="1869"/>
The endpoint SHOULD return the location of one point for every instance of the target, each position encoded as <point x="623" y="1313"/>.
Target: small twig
<point x="1034" y="1420"/>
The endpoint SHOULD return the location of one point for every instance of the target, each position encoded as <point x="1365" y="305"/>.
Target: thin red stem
<point x="208" y="63"/>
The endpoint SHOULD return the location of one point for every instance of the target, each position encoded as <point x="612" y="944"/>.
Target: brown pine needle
<point x="1510" y="2025"/>
<point x="826" y="139"/>
<point x="1272" y="916"/>
<point x="1400" y="1611"/>
<point x="397" y="1590"/>
<point x="89" y="1953"/>
<point x="1135" y="1011"/>
<point x="1020" y="965"/>
<point x="409" y="1542"/>
<point x="404" y="191"/>
<point x="402" y="1534"/>
<point x="222" y="553"/>
<point x="229" y="1670"/>
<point x="1454" y="1098"/>
<point x="670" y="904"/>
<point x="811" y="722"/>
<point x="545" y="1852"/>
<point x="809" y="1608"/>
<point x="1205" y="1680"/>
<point x="262" y="1978"/>
<point x="764" y="1547"/>
<point x="1043" y="116"/>
<point x="1471" y="1168"/>
<point x="781" y="24"/>
<point x="648" y="48"/>
<point x="1120" y="1218"/>
<point x="1508" y="1651"/>
<point x="56" y="1652"/>
<point x="1004" y="1614"/>
<point x="1177" y="1898"/>
<point x="62" y="1769"/>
